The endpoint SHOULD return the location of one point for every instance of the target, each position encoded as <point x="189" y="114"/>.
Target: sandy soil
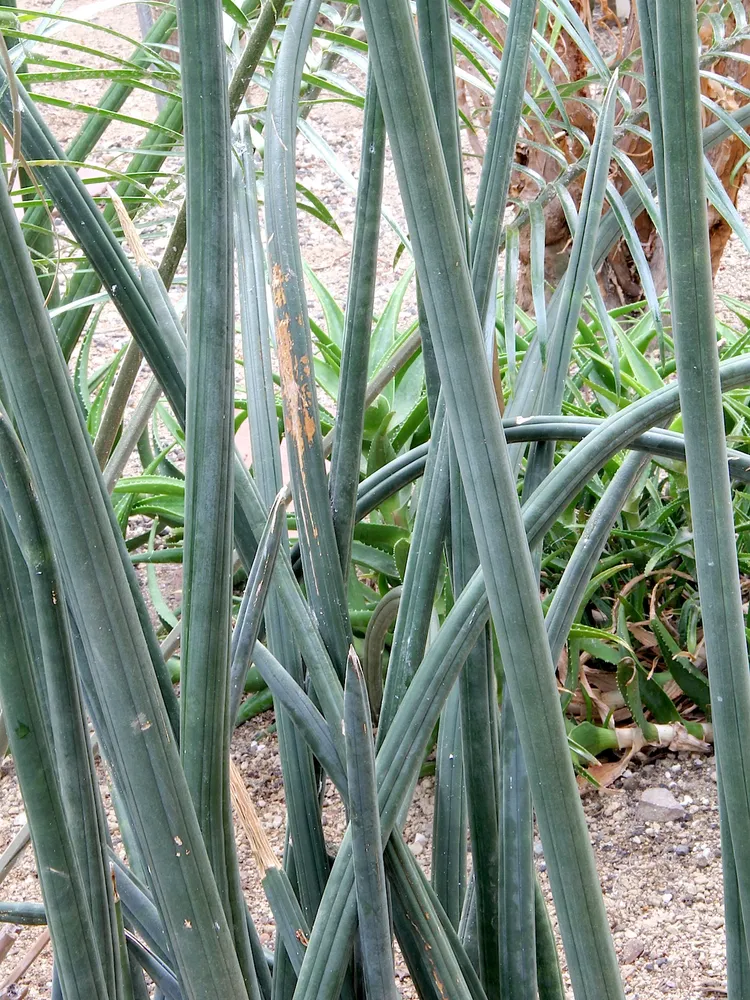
<point x="661" y="882"/>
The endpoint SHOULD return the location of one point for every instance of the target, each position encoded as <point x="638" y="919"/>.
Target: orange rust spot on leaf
<point x="309" y="428"/>
<point x="296" y="387"/>
<point x="277" y="286"/>
<point x="301" y="937"/>
<point x="435" y="977"/>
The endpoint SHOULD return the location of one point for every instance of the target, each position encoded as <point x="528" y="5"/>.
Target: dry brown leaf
<point x="608" y="772"/>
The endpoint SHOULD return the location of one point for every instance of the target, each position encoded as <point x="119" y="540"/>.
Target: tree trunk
<point x="618" y="278"/>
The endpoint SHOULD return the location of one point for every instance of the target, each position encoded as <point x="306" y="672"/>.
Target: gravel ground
<point x="661" y="881"/>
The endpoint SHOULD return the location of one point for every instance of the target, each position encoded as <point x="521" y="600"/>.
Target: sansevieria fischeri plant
<point x="78" y="651"/>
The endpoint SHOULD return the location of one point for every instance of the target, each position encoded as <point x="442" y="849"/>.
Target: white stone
<point x="658" y="805"/>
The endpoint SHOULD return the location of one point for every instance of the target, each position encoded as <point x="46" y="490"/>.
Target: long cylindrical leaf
<point x="304" y="817"/>
<point x="436" y="47"/>
<point x="480" y="750"/>
<point x="291" y="927"/>
<point x="137" y="736"/>
<point x="501" y="147"/>
<point x="364" y="817"/>
<point x="478" y="688"/>
<point x="517" y="880"/>
<point x="694" y="331"/>
<point x="449" y="820"/>
<point x="491" y="494"/>
<point x="250" y="615"/>
<point x="77" y="954"/>
<point x="156" y="144"/>
<point x="97" y="122"/>
<point x="647" y="29"/>
<point x="438" y="952"/>
<point x="75" y="770"/>
<point x="588" y="550"/>
<point x="209" y="426"/>
<point x="398" y="761"/>
<point x="738" y="965"/>
<point x="77" y="207"/>
<point x="307" y="719"/>
<point x="209" y="451"/>
<point x="581" y="257"/>
<point x="525" y="400"/>
<point x="378" y="627"/>
<point x="350" y="415"/>
<point x="323" y="575"/>
<point x="461" y="629"/>
<point x="144" y="167"/>
<point x="517" y="893"/>
<point x="549" y="977"/>
<point x="420" y="580"/>
<point x="449" y="823"/>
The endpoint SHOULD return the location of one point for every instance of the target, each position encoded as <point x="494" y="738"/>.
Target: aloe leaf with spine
<point x="691" y="295"/>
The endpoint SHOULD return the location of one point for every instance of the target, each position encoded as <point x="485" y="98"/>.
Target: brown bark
<point x="618" y="278"/>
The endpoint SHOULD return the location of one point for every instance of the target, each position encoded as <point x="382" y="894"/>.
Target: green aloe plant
<point x="512" y="425"/>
